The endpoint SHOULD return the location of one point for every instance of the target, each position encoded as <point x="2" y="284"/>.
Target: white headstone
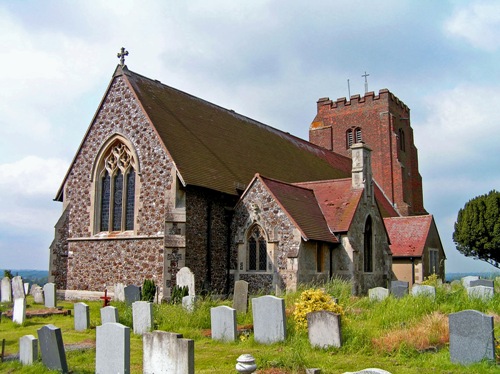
<point x="109" y="314"/>
<point x="423" y="290"/>
<point x="38" y="295"/>
<point x="185" y="277"/>
<point x="324" y="329"/>
<point x="120" y="292"/>
<point x="167" y="352"/>
<point x="223" y="323"/>
<point x="112" y="349"/>
<point x="17" y="287"/>
<point x="466" y="280"/>
<point x="82" y="316"/>
<point x="188" y="303"/>
<point x="142" y="315"/>
<point x="269" y="320"/>
<point x="19" y="314"/>
<point x="28" y="349"/>
<point x="49" y="293"/>
<point x="26" y="288"/>
<point x="481" y="292"/>
<point x="378" y="293"/>
<point x="6" y="290"/>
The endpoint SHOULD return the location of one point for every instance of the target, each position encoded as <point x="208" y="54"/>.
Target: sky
<point x="270" y="60"/>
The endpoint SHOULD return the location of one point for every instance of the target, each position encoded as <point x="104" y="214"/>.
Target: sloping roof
<point x="219" y="149"/>
<point x="302" y="207"/>
<point x="408" y="235"/>
<point x="338" y="201"/>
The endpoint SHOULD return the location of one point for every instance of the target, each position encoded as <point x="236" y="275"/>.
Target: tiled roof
<point x="408" y="235"/>
<point x="219" y="149"/>
<point x="302" y="207"/>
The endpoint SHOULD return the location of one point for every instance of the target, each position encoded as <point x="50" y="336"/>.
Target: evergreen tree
<point x="477" y="229"/>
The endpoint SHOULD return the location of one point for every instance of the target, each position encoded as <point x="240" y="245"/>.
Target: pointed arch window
<point x="357" y="135"/>
<point x="402" y="142"/>
<point x="116" y="189"/>
<point x="257" y="250"/>
<point x="349" y="138"/>
<point x="368" y="247"/>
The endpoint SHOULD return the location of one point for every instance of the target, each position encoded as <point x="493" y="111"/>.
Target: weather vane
<point x="121" y="55"/>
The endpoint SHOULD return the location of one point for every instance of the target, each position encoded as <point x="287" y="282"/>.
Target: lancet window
<point x="257" y="250"/>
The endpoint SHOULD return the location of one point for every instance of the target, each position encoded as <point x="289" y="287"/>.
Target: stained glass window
<point x="257" y="250"/>
<point x="129" y="207"/>
<point x="118" y="202"/>
<point x="252" y="254"/>
<point x="106" y="193"/>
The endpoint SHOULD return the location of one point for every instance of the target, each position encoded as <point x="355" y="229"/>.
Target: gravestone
<point x="223" y="323"/>
<point x="82" y="316"/>
<point x="33" y="286"/>
<point x="378" y="293"/>
<point x="269" y="320"/>
<point x="142" y="316"/>
<point x="6" y="294"/>
<point x="324" y="329"/>
<point x="369" y="371"/>
<point x="52" y="348"/>
<point x="26" y="288"/>
<point x="481" y="292"/>
<point x="120" y="292"/>
<point x="167" y="352"/>
<point x="19" y="314"/>
<point x="49" y="293"/>
<point x="471" y="337"/>
<point x="132" y="294"/>
<point x="17" y="287"/>
<point x="466" y="280"/>
<point x="38" y="295"/>
<point x="424" y="290"/>
<point x="185" y="277"/>
<point x="112" y="348"/>
<point x="399" y="289"/>
<point x="188" y="303"/>
<point x="28" y="349"/>
<point x="109" y="314"/>
<point x="482" y="282"/>
<point x="240" y="296"/>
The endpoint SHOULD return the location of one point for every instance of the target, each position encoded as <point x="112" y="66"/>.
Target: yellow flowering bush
<point x="431" y="280"/>
<point x="313" y="300"/>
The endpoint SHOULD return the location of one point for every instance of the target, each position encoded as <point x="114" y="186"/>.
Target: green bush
<point x="148" y="290"/>
<point x="178" y="293"/>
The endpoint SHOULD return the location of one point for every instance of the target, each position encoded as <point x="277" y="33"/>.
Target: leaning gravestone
<point x="52" y="348"/>
<point x="378" y="293"/>
<point x="19" y="314"/>
<point x="399" y="289"/>
<point x="466" y="280"/>
<point x="167" y="352"/>
<point x="132" y="294"/>
<point x="481" y="292"/>
<point x="223" y="323"/>
<point x="109" y="314"/>
<point x="240" y="296"/>
<point x="142" y="316"/>
<point x="82" y="317"/>
<point x="112" y="349"/>
<point x="119" y="292"/>
<point x="471" y="337"/>
<point x="6" y="290"/>
<point x="38" y="295"/>
<point x="423" y="290"/>
<point x="269" y="320"/>
<point x="49" y="292"/>
<point x="33" y="286"/>
<point x="324" y="329"/>
<point x="17" y="287"/>
<point x="482" y="282"/>
<point x="185" y="277"/>
<point x="28" y="349"/>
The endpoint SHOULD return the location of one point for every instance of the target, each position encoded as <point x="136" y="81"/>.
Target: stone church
<point x="163" y="180"/>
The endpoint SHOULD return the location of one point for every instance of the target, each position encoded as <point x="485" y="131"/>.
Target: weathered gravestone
<point x="185" y="278"/>
<point x="167" y="352"/>
<point x="482" y="282"/>
<point x="223" y="323"/>
<point x="269" y="320"/>
<point x="240" y="296"/>
<point x="142" y="316"/>
<point x="188" y="303"/>
<point x="399" y="289"/>
<point x="471" y="337"/>
<point x="33" y="286"/>
<point x="112" y="349"/>
<point x="378" y="293"/>
<point x="26" y="288"/>
<point x="109" y="314"/>
<point x="6" y="290"/>
<point x="423" y="290"/>
<point x="38" y="295"/>
<point x="49" y="293"/>
<point x="481" y="292"/>
<point x="28" y="349"/>
<point x="52" y="348"/>
<point x="324" y="329"/>
<point x="132" y="294"/>
<point x="466" y="280"/>
<point x="19" y="314"/>
<point x="119" y="292"/>
<point x="17" y="287"/>
<point x="82" y="316"/>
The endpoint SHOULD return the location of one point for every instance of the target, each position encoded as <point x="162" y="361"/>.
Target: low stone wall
<point x="81" y="295"/>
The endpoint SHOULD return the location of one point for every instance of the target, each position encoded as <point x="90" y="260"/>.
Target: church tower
<point x="382" y="122"/>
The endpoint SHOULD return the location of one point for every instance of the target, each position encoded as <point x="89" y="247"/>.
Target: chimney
<point x="362" y="167"/>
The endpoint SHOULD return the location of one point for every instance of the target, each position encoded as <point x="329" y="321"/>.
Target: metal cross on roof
<point x="121" y="55"/>
<point x="366" y="81"/>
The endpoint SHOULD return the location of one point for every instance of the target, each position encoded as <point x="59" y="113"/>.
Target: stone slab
<point x="28" y="349"/>
<point x="423" y="290"/>
<point x="378" y="293"/>
<point x="109" y="314"/>
<point x="119" y="293"/>
<point x="49" y="293"/>
<point x="38" y="295"/>
<point x="19" y="314"/>
<point x="223" y="323"/>
<point x="399" y="289"/>
<point x="324" y="329"/>
<point x="6" y="291"/>
<point x="482" y="282"/>
<point x="466" y="280"/>
<point x="167" y="352"/>
<point x="240" y="296"/>
<point x="132" y="294"/>
<point x="185" y="277"/>
<point x="82" y="316"/>
<point x="481" y="292"/>
<point x="52" y="348"/>
<point x="112" y="349"/>
<point x="142" y="316"/>
<point x="269" y="320"/>
<point x="17" y="287"/>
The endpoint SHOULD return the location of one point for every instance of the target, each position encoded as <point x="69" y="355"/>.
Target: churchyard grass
<point x="407" y="335"/>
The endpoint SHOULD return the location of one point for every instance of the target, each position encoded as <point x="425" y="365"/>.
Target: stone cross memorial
<point x="112" y="348"/>
<point x="269" y="320"/>
<point x="223" y="323"/>
<point x="167" y="352"/>
<point x="52" y="348"/>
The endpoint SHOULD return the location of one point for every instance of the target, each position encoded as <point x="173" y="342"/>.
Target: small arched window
<point x="402" y="143"/>
<point x="115" y="184"/>
<point x="349" y="137"/>
<point x="368" y="247"/>
<point x="257" y="249"/>
<point x="358" y="136"/>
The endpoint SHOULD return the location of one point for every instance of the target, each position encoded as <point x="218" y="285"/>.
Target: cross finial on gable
<point x="121" y="55"/>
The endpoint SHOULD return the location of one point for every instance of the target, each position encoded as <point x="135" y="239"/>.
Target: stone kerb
<point x="109" y="314"/>
<point x="167" y="352"/>
<point x="6" y="291"/>
<point x="142" y="316"/>
<point x="19" y="314"/>
<point x="324" y="329"/>
<point x="185" y="277"/>
<point x="423" y="290"/>
<point x="466" y="280"/>
<point x="82" y="316"/>
<point x="49" y="293"/>
<point x="471" y="337"/>
<point x="480" y="292"/>
<point x="223" y="323"/>
<point x="28" y="349"/>
<point x="269" y="320"/>
<point x="240" y="296"/>
<point x="378" y="293"/>
<point x="112" y="349"/>
<point x="52" y="348"/>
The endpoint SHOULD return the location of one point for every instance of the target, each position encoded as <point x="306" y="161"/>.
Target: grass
<point x="407" y="335"/>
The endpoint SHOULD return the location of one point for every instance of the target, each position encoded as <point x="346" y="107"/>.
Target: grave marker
<point x="6" y="290"/>
<point x="28" y="349"/>
<point x="49" y="293"/>
<point x="119" y="292"/>
<point x="19" y="314"/>
<point x="188" y="303"/>
<point x="399" y="289"/>
<point x="17" y="287"/>
<point x="466" y="280"/>
<point x="26" y="288"/>
<point x="132" y="294"/>
<point x="481" y="292"/>
<point x="38" y="295"/>
<point x="482" y="282"/>
<point x="324" y="329"/>
<point x="52" y="348"/>
<point x="82" y="317"/>
<point x="167" y="352"/>
<point x="223" y="323"/>
<point x="240" y="296"/>
<point x="185" y="277"/>
<point x="269" y="320"/>
<point x="109" y="314"/>
<point x="422" y="289"/>
<point x="142" y="316"/>
<point x="378" y="293"/>
<point x="112" y="348"/>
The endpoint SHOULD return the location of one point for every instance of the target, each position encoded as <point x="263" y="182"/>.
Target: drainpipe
<point x="208" y="274"/>
<point x="412" y="270"/>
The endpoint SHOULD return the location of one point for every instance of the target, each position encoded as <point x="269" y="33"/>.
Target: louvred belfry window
<point x="117" y="189"/>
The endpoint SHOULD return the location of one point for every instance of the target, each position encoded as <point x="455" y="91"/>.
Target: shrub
<point x="178" y="293"/>
<point x="313" y="300"/>
<point x="148" y="290"/>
